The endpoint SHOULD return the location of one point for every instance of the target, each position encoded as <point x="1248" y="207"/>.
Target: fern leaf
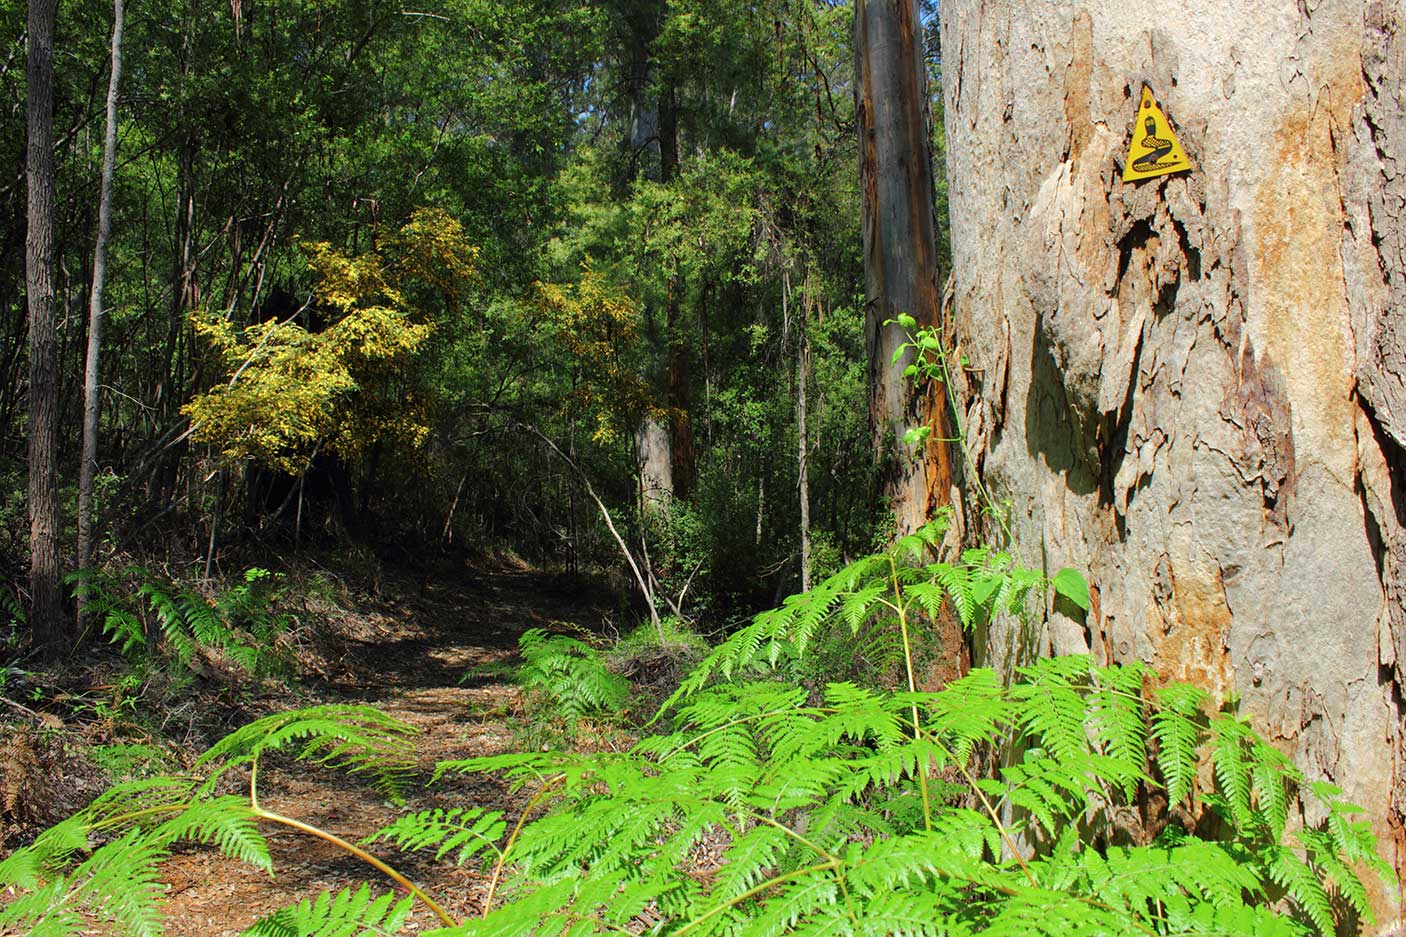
<point x="122" y="881"/>
<point x="463" y="831"/>
<point x="1232" y="767"/>
<point x="1302" y="884"/>
<point x="344" y="914"/>
<point x="361" y="739"/>
<point x="228" y="822"/>
<point x="1178" y="736"/>
<point x="747" y="861"/>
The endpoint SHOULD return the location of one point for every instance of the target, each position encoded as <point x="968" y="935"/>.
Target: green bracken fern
<point x="765" y="804"/>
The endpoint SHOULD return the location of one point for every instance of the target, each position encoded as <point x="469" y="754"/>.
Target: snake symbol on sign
<point x="1158" y="146"/>
<point x="1154" y="149"/>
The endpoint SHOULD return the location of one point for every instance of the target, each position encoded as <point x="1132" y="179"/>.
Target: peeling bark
<point x="1194" y="387"/>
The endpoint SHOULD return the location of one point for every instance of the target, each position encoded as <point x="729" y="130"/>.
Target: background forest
<point x="362" y="255"/>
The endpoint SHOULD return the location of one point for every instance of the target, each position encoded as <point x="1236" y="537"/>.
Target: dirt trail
<point x="407" y="660"/>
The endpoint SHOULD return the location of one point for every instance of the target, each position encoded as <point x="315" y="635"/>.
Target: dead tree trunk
<point x="1193" y="386"/>
<point x="46" y="619"/>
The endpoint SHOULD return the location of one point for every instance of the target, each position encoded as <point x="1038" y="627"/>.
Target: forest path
<point x="408" y="658"/>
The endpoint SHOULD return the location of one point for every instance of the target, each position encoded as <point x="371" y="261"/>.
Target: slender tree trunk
<point x="682" y="454"/>
<point x="1192" y="386"/>
<point x="46" y="619"/>
<point x="802" y="437"/>
<point x="900" y="250"/>
<point x="88" y="467"/>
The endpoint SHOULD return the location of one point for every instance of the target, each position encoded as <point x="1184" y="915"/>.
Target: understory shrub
<point x="1065" y="803"/>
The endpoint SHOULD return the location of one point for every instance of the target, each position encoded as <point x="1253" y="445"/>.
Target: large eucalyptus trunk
<point x="900" y="250"/>
<point x="1194" y="386"/>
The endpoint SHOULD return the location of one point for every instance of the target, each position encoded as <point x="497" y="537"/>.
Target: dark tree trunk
<point x="682" y="453"/>
<point x="46" y="618"/>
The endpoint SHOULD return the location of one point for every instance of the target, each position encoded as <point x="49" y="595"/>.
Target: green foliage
<point x="360" y="739"/>
<point x="345" y="914"/>
<point x="462" y="833"/>
<point x="597" y="325"/>
<point x="758" y="812"/>
<point x="60" y="878"/>
<point x="141" y="611"/>
<point x="765" y="807"/>
<point x="104" y="861"/>
<point x="289" y="390"/>
<point x="567" y="677"/>
<point x="865" y="599"/>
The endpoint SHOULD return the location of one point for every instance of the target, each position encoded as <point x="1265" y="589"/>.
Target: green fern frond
<point x="42" y="912"/>
<point x="227" y="822"/>
<point x="360" y="739"/>
<point x="122" y="882"/>
<point x="569" y="675"/>
<point x="1229" y="739"/>
<point x="1302" y="884"/>
<point x="466" y="832"/>
<point x="747" y="861"/>
<point x="344" y="914"/>
<point x="1177" y="731"/>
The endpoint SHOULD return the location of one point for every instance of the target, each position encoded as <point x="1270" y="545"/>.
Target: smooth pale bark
<point x="1192" y="386"/>
<point x="46" y="619"/>
<point x="88" y="467"/>
<point x="802" y="436"/>
<point x="900" y="250"/>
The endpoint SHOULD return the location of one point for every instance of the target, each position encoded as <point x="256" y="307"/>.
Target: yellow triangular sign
<point x="1154" y="150"/>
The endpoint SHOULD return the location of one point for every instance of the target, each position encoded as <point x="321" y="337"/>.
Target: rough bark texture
<point x="1193" y="386"/>
<point x="900" y="252"/>
<point x="46" y="619"/>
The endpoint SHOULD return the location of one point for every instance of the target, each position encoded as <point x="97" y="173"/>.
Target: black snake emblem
<point x="1158" y="146"/>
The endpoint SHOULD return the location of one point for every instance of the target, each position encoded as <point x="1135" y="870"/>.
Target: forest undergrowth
<point x="790" y="784"/>
<point x="393" y="640"/>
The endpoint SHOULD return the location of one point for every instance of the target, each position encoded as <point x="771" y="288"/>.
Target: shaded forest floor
<point x="416" y="650"/>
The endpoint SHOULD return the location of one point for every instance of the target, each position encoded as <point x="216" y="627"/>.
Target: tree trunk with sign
<point x="1192" y="386"/>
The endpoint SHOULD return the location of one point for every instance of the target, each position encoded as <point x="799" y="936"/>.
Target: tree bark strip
<point x="88" y="467"/>
<point x="900" y="250"/>
<point x="46" y="619"/>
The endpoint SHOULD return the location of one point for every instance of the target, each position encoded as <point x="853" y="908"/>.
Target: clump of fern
<point x="142" y="612"/>
<point x="760" y="805"/>
<point x="566" y="680"/>
<point x="759" y="808"/>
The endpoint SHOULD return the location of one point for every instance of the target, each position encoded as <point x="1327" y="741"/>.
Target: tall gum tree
<point x="900" y="249"/>
<point x="1192" y="386"/>
<point x="900" y="274"/>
